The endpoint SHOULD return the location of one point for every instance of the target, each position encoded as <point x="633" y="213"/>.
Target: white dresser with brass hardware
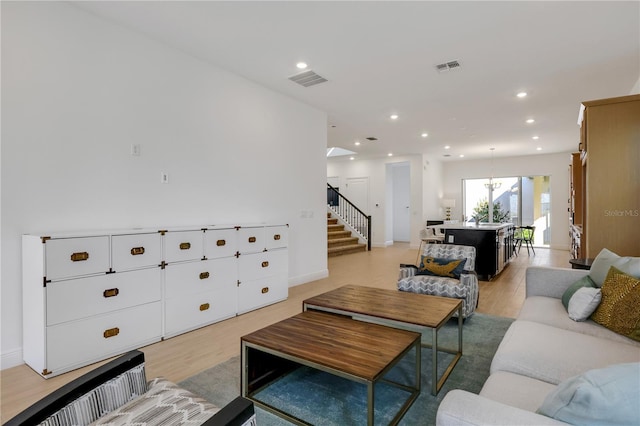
<point x="91" y="296"/>
<point x="263" y="261"/>
<point x="200" y="288"/>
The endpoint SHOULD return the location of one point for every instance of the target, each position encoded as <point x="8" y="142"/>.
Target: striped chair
<point x="465" y="288"/>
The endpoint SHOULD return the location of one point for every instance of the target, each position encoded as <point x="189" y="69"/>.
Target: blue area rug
<point x="323" y="399"/>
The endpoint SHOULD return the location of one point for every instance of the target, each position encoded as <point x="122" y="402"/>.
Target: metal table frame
<point x="414" y="390"/>
<point x="437" y="383"/>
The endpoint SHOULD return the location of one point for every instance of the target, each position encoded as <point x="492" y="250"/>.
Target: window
<point x="521" y="200"/>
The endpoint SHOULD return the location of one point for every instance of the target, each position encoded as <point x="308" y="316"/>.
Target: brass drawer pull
<point x="265" y="290"/>
<point x="204" y="275"/>
<point x="77" y="257"/>
<point x="204" y="306"/>
<point x="221" y="243"/>
<point x="276" y="237"/>
<point x="112" y="292"/>
<point x="185" y="246"/>
<point x="252" y="239"/>
<point x="111" y="332"/>
<point x="137" y="250"/>
<point x="265" y="264"/>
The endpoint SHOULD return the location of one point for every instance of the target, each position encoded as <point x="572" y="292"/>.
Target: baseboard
<point x="383" y="245"/>
<point x="11" y="359"/>
<point x="307" y="278"/>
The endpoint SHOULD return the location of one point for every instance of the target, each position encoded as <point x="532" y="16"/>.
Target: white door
<point x="357" y="191"/>
<point x="401" y="198"/>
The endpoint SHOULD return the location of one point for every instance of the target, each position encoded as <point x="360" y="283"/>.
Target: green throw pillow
<point x="607" y="396"/>
<point x="585" y="281"/>
<point x="441" y="267"/>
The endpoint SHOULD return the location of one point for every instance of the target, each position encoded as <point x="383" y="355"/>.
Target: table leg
<point x="370" y="399"/>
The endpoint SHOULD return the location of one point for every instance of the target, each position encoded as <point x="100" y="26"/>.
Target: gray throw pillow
<point x="606" y="259"/>
<point x="585" y="281"/>
<point x="584" y="302"/>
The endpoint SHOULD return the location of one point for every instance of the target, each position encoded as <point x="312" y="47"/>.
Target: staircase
<point x="340" y="241"/>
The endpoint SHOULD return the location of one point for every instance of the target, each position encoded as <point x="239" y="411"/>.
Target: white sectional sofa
<point x="542" y="349"/>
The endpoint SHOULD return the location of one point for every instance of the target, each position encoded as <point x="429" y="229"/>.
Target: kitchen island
<point x="493" y="243"/>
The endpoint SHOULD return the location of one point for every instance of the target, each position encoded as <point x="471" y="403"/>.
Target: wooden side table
<point x="581" y="263"/>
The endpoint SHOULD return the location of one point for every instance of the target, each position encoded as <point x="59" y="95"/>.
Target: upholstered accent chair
<point x="465" y="288"/>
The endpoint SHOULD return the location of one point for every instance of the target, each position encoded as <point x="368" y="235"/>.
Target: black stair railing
<point x="356" y="218"/>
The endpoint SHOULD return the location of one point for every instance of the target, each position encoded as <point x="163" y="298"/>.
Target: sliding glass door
<point x="521" y="200"/>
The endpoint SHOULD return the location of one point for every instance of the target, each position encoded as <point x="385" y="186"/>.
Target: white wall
<point x="376" y="170"/>
<point x="77" y="91"/>
<point x="554" y="165"/>
<point x="432" y="180"/>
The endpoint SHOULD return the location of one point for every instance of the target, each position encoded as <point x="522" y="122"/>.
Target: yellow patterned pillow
<point x="440" y="267"/>
<point x="619" y="309"/>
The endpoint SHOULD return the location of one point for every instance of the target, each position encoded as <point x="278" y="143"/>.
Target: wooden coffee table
<point x="397" y="307"/>
<point x="338" y="345"/>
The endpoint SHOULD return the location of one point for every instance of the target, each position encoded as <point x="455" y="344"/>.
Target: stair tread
<point x="348" y="247"/>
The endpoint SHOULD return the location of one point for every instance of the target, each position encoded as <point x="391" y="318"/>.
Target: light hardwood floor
<point x="183" y="356"/>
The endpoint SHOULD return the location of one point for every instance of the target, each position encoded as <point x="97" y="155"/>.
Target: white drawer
<point x="220" y="243"/>
<point x="78" y="343"/>
<point x="135" y="251"/>
<point x="198" y="277"/>
<point x="251" y="239"/>
<point x="72" y="257"/>
<point x="183" y="245"/>
<point x="83" y="297"/>
<point x="264" y="264"/>
<point x="197" y="310"/>
<point x="276" y="237"/>
<point x="258" y="293"/>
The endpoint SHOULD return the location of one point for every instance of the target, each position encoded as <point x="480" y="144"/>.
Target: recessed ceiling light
<point x="531" y="120"/>
<point x="390" y="154"/>
<point x="521" y="94"/>
<point x="461" y="155"/>
<point x="447" y="147"/>
<point x="535" y="138"/>
<point x="424" y="135"/>
<point x="352" y="158"/>
<point x="539" y="148"/>
<point x="357" y="143"/>
<point x="301" y="65"/>
<point x="393" y="116"/>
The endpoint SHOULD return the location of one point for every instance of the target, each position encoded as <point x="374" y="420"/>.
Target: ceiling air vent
<point x="447" y="66"/>
<point x="307" y="78"/>
<point x="371" y="138"/>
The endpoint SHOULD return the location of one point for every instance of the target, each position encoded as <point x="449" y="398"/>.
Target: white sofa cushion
<point x="553" y="355"/>
<point x="462" y="408"/>
<point x="608" y="396"/>
<point x="516" y="390"/>
<point x="549" y="310"/>
<point x="606" y="259"/>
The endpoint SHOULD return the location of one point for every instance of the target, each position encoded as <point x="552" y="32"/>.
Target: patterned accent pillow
<point x="165" y="403"/>
<point x="618" y="311"/>
<point x="441" y="267"/>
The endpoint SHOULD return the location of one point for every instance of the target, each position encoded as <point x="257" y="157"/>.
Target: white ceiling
<point x="379" y="58"/>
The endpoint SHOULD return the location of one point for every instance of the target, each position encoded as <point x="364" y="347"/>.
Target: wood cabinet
<point x="610" y="156"/>
<point x="94" y="295"/>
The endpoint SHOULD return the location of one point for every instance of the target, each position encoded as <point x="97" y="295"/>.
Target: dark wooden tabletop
<point x="353" y="347"/>
<point x="410" y="308"/>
